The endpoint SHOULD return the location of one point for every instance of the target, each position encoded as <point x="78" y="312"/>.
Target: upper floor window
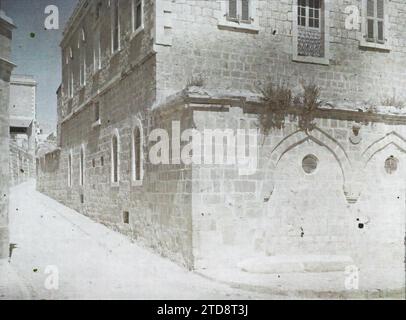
<point x="375" y="21"/>
<point x="70" y="169"/>
<point x="96" y="113"/>
<point x="311" y="31"/>
<point x="239" y="10"/>
<point x="70" y="84"/>
<point x="115" y="177"/>
<point x="97" y="51"/>
<point x="115" y="25"/>
<point x="137" y="14"/>
<point x="82" y="46"/>
<point x="375" y="24"/>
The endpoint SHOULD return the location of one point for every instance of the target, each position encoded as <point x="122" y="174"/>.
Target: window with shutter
<point x="239" y="11"/>
<point x="310" y="37"/>
<point x="82" y="166"/>
<point x="374" y="25"/>
<point x="115" y="32"/>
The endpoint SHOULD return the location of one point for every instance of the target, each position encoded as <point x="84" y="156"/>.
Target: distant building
<point x="23" y="125"/>
<point x="6" y="67"/>
<point x="23" y="130"/>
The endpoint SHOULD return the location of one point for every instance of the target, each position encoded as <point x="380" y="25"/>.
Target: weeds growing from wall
<point x="279" y="103"/>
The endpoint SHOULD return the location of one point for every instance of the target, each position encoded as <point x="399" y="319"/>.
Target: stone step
<point x="294" y="264"/>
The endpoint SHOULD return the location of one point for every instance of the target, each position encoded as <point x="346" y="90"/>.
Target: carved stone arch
<point x="391" y="138"/>
<point x="321" y="138"/>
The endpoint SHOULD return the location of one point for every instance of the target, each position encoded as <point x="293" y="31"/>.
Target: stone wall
<point x="22" y="165"/>
<point x="349" y="206"/>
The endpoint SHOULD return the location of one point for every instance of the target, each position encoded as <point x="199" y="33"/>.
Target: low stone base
<point x="288" y="264"/>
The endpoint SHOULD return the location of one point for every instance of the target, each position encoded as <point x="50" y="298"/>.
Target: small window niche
<point x="126" y="217"/>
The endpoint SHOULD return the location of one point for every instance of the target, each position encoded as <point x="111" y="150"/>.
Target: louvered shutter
<point x="381" y="17"/>
<point x="232" y="9"/>
<point x="245" y="14"/>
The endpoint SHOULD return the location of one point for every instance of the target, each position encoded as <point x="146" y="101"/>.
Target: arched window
<point x="70" y="169"/>
<point x="137" y="154"/>
<point x="82" y="46"/>
<point x="115" y="177"/>
<point x="82" y="166"/>
<point x="115" y="26"/>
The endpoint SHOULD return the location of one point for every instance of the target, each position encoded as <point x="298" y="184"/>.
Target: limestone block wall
<point x="22" y="165"/>
<point x="238" y="59"/>
<point x="6" y="26"/>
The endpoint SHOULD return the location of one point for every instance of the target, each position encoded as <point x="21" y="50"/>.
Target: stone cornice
<point x="8" y="65"/>
<point x="198" y="98"/>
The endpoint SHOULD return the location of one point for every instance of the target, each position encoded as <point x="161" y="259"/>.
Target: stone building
<point x="6" y="27"/>
<point x="23" y="128"/>
<point x="330" y="178"/>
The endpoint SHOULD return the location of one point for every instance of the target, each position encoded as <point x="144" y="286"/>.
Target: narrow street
<point x="91" y="261"/>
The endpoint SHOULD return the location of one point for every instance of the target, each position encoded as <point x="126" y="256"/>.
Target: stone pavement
<point x="11" y="287"/>
<point x="94" y="262"/>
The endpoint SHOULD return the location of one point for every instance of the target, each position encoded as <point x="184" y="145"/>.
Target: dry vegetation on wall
<point x="393" y="102"/>
<point x="196" y="81"/>
<point x="279" y="102"/>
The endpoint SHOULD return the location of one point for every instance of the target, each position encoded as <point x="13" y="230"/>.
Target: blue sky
<point x="40" y="55"/>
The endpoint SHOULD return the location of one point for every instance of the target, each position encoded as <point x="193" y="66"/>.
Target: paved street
<point x="91" y="261"/>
